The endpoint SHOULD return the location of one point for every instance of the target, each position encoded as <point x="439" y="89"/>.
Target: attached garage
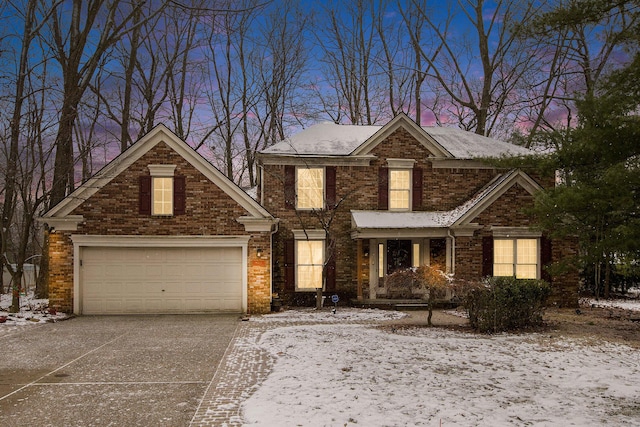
<point x="159" y="230"/>
<point x="134" y="275"/>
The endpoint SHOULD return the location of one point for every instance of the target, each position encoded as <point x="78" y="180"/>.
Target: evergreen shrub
<point x="506" y="304"/>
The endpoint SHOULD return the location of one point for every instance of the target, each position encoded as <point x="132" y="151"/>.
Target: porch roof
<point x="371" y="224"/>
<point x="385" y="224"/>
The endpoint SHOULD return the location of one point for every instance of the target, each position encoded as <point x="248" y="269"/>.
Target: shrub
<point x="506" y="303"/>
<point x="401" y="283"/>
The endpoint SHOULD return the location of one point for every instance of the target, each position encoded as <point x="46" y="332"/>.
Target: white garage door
<point x="116" y="280"/>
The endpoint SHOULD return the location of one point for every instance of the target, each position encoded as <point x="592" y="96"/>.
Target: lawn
<point x="337" y="373"/>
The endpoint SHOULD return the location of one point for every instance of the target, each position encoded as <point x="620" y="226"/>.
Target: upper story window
<point x="399" y="189"/>
<point x="162" y="196"/>
<point x="161" y="192"/>
<point x="162" y="189"/>
<point x="309" y="188"/>
<point x="400" y="186"/>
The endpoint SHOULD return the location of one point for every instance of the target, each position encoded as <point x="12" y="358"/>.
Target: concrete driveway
<point x="111" y="371"/>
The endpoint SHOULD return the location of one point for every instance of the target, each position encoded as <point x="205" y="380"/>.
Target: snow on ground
<point x="345" y="374"/>
<point x="32" y="312"/>
<point x="327" y="316"/>
<point x="626" y="304"/>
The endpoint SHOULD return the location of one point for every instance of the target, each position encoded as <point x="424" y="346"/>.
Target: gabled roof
<point x="461" y="216"/>
<point x="159" y="134"/>
<point x="330" y="139"/>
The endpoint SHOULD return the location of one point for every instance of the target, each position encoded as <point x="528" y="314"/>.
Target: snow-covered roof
<point x="468" y="145"/>
<point x="379" y="220"/>
<point x="330" y="139"/>
<point x="325" y="139"/>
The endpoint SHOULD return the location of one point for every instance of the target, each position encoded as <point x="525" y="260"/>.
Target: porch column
<point x="360" y="259"/>
<point x="450" y="254"/>
<point x="373" y="268"/>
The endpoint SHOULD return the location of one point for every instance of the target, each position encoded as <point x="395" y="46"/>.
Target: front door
<point x="398" y="255"/>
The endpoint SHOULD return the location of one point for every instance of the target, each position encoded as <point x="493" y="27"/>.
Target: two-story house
<point x="161" y="230"/>
<point x="365" y="201"/>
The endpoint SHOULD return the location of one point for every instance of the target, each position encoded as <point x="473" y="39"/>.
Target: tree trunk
<point x="63" y="165"/>
<point x="42" y="281"/>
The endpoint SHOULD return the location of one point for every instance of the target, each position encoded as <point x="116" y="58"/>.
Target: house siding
<point x="114" y="211"/>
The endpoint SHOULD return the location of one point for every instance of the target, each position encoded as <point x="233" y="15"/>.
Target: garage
<point x="158" y="280"/>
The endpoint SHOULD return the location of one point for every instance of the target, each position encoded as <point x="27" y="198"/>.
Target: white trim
<point x="257" y="225"/>
<point x="67" y="223"/>
<point x="313" y="234"/>
<point x="401" y="163"/>
<point x="398" y="233"/>
<point x="307" y="160"/>
<point x="440" y="163"/>
<point x="81" y="241"/>
<point x="165" y="171"/>
<point x="158" y="241"/>
<point x="515" y="232"/>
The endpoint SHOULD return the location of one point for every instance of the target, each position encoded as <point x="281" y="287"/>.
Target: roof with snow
<point x="330" y="139"/>
<point x="461" y="216"/>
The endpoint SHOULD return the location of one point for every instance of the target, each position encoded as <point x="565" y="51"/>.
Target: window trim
<point x="308" y="236"/>
<point x="395" y="165"/>
<point x="408" y="190"/>
<point x="514" y="246"/>
<point x="162" y="172"/>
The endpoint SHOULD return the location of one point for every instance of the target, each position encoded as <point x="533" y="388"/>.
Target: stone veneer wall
<point x="114" y="210"/>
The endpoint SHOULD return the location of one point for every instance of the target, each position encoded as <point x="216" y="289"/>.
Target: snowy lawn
<point x="339" y="374"/>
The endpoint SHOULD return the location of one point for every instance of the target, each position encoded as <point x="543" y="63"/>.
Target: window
<point x="162" y="188"/>
<point x="162" y="193"/>
<point x="399" y="189"/>
<point x="309" y="188"/>
<point x="310" y="258"/>
<point x="516" y="257"/>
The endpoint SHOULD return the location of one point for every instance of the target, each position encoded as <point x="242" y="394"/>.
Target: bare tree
<point x="578" y="54"/>
<point x="21" y="157"/>
<point x="79" y="55"/>
<point x="348" y="45"/>
<point x="479" y="71"/>
<point x="230" y="95"/>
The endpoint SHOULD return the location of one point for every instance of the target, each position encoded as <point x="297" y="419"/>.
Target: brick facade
<point x="114" y="211"/>
<point x="443" y="189"/>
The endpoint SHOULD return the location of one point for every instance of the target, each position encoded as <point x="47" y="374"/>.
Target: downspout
<point x="453" y="251"/>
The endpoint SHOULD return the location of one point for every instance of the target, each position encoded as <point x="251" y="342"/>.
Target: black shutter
<point x="289" y="265"/>
<point x="383" y="188"/>
<point x="179" y="195"/>
<point x="487" y="256"/>
<point x="289" y="187"/>
<point x="330" y="175"/>
<point x="144" y="201"/>
<point x="546" y="257"/>
<point x="417" y="189"/>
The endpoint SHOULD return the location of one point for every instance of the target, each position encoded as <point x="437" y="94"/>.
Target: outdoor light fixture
<point x="259" y="252"/>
